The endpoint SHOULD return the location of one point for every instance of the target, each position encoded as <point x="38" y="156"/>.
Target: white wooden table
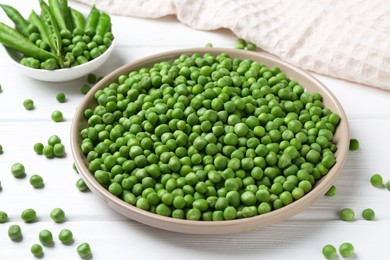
<point x="111" y="235"/>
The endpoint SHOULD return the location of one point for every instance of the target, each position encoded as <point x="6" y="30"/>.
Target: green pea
<point x="18" y="170"/>
<point x="61" y="98"/>
<point x="28" y="104"/>
<point x="46" y="237"/>
<point x="346" y="249"/>
<point x="331" y="192"/>
<point x="376" y="180"/>
<point x="37" y="250"/>
<point x="368" y="214"/>
<point x="36" y="181"/>
<point x="329" y="251"/>
<point x="57" y="215"/>
<point x="15" y="232"/>
<point x="48" y="151"/>
<point x="353" y="144"/>
<point x="3" y="217"/>
<point x="81" y="185"/>
<point x="347" y="214"/>
<point x="57" y="116"/>
<point x="84" y="250"/>
<point x="85" y="88"/>
<point x="66" y="236"/>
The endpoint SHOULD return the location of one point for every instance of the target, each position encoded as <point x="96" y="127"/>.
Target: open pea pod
<point x="51" y="27"/>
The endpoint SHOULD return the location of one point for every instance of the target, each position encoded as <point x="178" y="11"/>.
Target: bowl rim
<point x="213" y="227"/>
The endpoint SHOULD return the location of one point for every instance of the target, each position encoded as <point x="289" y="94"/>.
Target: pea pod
<point x="37" y="21"/>
<point x="11" y="38"/>
<point x="65" y="11"/>
<point x="78" y="19"/>
<point x="56" y="13"/>
<point x="50" y="26"/>
<point x="20" y="23"/>
<point x="92" y="21"/>
<point x="104" y="24"/>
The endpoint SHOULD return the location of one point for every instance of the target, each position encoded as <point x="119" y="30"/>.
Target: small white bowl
<point x="60" y="75"/>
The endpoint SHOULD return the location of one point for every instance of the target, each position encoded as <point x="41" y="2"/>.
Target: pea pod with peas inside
<point x="57" y="37"/>
<point x="50" y="25"/>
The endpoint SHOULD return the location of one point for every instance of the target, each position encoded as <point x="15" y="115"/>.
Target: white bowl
<point x="60" y="75"/>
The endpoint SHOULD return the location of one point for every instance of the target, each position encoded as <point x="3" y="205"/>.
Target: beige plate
<point x="341" y="138"/>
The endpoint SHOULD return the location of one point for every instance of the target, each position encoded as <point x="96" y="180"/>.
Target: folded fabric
<point x="347" y="39"/>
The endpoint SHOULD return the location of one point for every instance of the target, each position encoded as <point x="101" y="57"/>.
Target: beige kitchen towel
<point x="347" y="39"/>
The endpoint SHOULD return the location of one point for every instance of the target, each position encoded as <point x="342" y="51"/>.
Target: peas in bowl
<point x="209" y="141"/>
<point x="59" y="39"/>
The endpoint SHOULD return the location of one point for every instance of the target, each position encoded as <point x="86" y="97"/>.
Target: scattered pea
<point x="388" y="185"/>
<point x="353" y="144"/>
<point x="15" y="232"/>
<point x="28" y="104"/>
<point x="48" y="151"/>
<point x="346" y="249"/>
<point x="59" y="150"/>
<point x="81" y="185"/>
<point x="38" y="148"/>
<point x="376" y="180"/>
<point x="208" y="45"/>
<point x="29" y="215"/>
<point x="347" y="214"/>
<point x="331" y="192"/>
<point x="84" y="250"/>
<point x="57" y="116"/>
<point x="250" y="46"/>
<point x="57" y="215"/>
<point x="368" y="214"/>
<point x="329" y="251"/>
<point x="53" y="140"/>
<point x="37" y="250"/>
<point x="92" y="78"/>
<point x="66" y="236"/>
<point x="75" y="168"/>
<point x="3" y="217"/>
<point x="84" y="89"/>
<point x="240" y="44"/>
<point x="61" y="97"/>
<point x="46" y="237"/>
<point x="36" y="181"/>
<point x="18" y="170"/>
<point x="1" y="149"/>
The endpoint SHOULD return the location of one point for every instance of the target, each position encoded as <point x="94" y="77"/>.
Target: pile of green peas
<point x="208" y="138"/>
